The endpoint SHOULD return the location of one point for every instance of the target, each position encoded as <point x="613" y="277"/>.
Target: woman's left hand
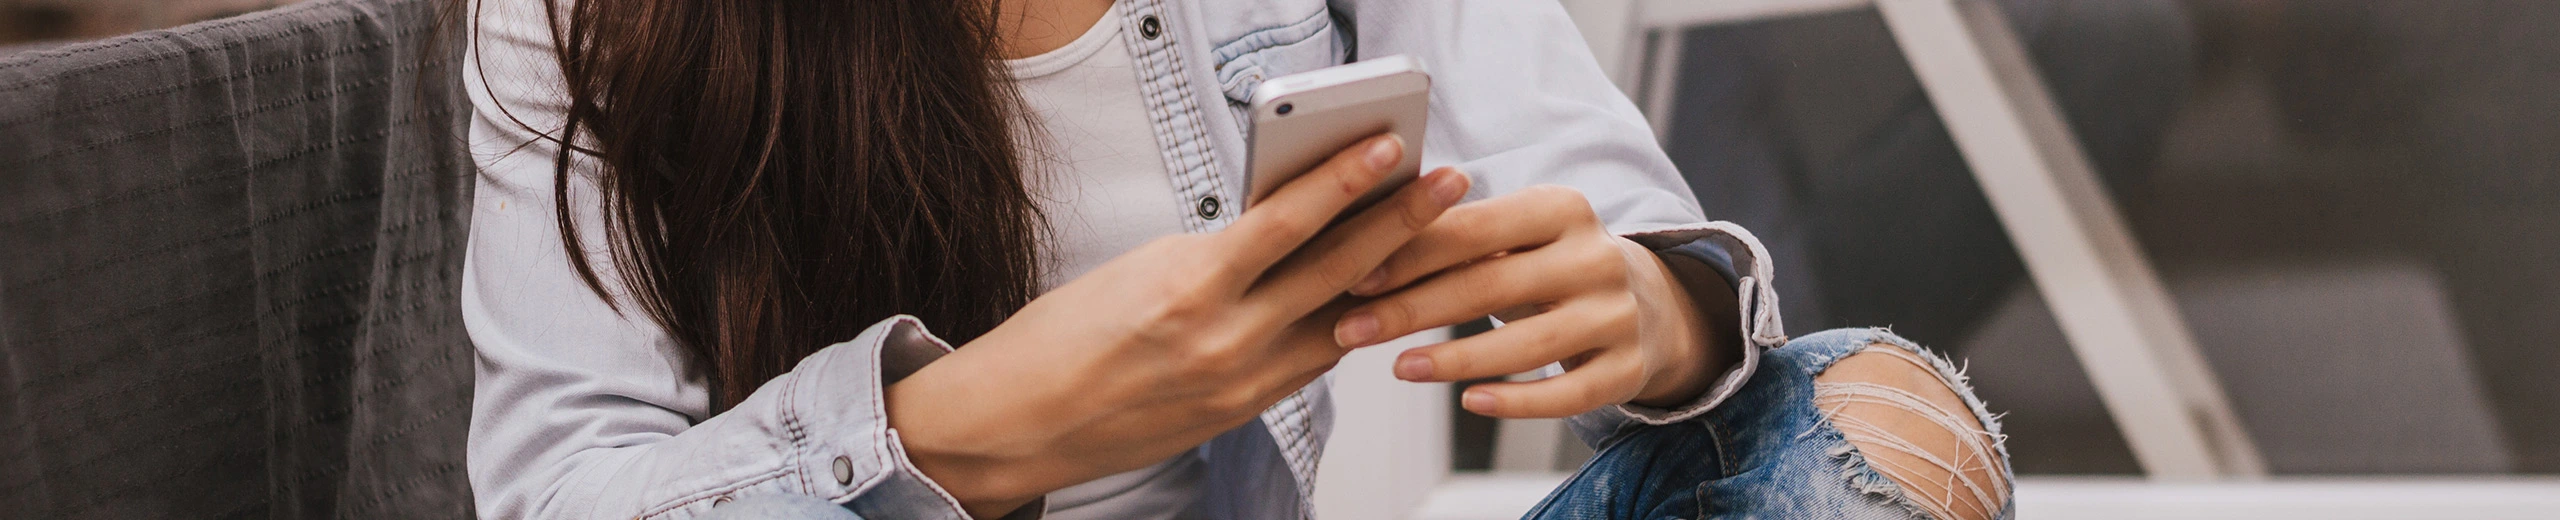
<point x="1568" y="290"/>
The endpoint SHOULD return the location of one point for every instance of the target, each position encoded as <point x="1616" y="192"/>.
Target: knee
<point x="1908" y="420"/>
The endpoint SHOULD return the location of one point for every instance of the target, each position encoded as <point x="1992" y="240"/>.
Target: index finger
<point x="1295" y="212"/>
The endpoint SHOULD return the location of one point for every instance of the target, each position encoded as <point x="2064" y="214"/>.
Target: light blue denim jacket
<point x="579" y="413"/>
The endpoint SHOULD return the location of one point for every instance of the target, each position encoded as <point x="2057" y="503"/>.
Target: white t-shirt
<point x="1097" y="175"/>
<point x="1094" y="165"/>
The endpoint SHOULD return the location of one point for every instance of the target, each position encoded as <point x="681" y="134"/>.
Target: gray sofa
<point x="228" y="260"/>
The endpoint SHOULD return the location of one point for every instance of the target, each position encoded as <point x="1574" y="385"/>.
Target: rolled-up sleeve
<point x="1516" y="101"/>
<point x="554" y="440"/>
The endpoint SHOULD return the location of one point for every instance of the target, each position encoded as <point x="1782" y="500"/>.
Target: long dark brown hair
<point x="778" y="175"/>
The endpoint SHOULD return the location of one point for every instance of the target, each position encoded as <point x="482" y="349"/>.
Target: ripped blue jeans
<point x="1772" y="452"/>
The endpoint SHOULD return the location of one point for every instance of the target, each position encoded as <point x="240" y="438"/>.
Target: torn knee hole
<point x="1912" y="427"/>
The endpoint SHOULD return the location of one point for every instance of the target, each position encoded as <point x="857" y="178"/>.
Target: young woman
<point x="723" y="249"/>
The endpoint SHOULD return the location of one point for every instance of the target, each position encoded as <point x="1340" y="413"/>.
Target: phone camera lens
<point x="1285" y="109"/>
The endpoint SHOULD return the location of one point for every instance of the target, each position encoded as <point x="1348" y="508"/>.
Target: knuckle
<point x="1604" y="260"/>
<point x="1284" y="229"/>
<point x="1208" y="361"/>
<point x="1393" y="314"/>
<point x="1418" y="214"/>
<point x="1180" y="306"/>
<point x="1621" y="315"/>
<point x="1340" y="275"/>
<point x="1350" y="179"/>
<point x="1545" y="338"/>
<point x="1156" y="326"/>
<point x="1159" y="310"/>
<point x="1180" y="298"/>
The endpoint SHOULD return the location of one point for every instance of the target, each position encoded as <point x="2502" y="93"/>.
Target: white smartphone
<point x="1302" y="119"/>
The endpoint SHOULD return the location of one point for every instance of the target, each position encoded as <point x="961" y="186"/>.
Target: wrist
<point x="1696" y="313"/>
<point x="941" y="437"/>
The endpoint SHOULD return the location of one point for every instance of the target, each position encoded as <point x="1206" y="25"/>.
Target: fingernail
<point x="1384" y="153"/>
<point x="1447" y="187"/>
<point x="1355" y="330"/>
<point x="1413" y="368"/>
<point x="1477" y="401"/>
<point x="1369" y="285"/>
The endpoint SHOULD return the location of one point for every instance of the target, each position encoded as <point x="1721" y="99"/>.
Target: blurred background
<point x="2354" y="205"/>
<point x="36" y="21"/>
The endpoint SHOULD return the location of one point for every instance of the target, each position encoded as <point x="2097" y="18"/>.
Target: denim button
<point x="1209" y="207"/>
<point x="1150" y="27"/>
<point x="844" y="471"/>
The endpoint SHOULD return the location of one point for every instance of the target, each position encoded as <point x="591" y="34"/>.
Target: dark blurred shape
<point x="2356" y="205"/>
<point x="24" y="21"/>
<point x="231" y="271"/>
<point x="1472" y="437"/>
<point x="35" y="23"/>
<point x="2419" y="133"/>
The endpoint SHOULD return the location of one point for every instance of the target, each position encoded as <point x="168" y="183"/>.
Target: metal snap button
<point x="1208" y="207"/>
<point x="722" y="501"/>
<point x="1150" y="27"/>
<point x="844" y="471"/>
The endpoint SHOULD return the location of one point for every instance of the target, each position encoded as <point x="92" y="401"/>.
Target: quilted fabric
<point x="228" y="271"/>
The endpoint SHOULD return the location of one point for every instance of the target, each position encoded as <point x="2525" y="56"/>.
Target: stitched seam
<point x="89" y="265"/>
<point x="357" y="319"/>
<point x="84" y="370"/>
<point x="262" y="277"/>
<point x="795" y="435"/>
<point x="207" y="80"/>
<point x="306" y="98"/>
<point x="325" y="418"/>
<point x="679" y="503"/>
<point x="245" y="170"/>
<point x="193" y="30"/>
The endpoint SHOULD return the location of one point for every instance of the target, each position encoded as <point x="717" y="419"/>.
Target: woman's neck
<point x="1031" y="27"/>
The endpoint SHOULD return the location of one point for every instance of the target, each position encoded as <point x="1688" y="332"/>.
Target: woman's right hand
<point x="1162" y="348"/>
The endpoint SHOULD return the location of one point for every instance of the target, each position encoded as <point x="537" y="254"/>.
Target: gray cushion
<point x="229" y="257"/>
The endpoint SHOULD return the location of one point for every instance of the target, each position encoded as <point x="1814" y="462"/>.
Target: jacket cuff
<point x="847" y="452"/>
<point x="1733" y="252"/>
